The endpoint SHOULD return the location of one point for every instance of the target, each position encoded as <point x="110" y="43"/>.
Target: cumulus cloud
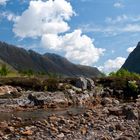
<point x="130" y="49"/>
<point x="77" y="47"/>
<point x="48" y="21"/>
<point x="44" y="18"/>
<point x="3" y="2"/>
<point x="112" y="64"/>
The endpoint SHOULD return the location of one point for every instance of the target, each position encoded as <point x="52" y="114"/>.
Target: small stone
<point x="54" y="129"/>
<point x="10" y="129"/>
<point x="3" y="125"/>
<point x="119" y="127"/>
<point x="1" y="134"/>
<point x="115" y="111"/>
<point x="111" y="128"/>
<point x="60" y="135"/>
<point x="105" y="138"/>
<point x="83" y="130"/>
<point x="65" y="130"/>
<point x="106" y="101"/>
<point x="27" y="132"/>
<point x="53" y="118"/>
<point x="123" y="138"/>
<point x="46" y="122"/>
<point x="115" y="102"/>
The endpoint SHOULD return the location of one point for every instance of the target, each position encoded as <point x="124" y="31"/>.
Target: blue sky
<point x="98" y="33"/>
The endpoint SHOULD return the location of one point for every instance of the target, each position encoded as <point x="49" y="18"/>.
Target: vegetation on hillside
<point x="123" y="73"/>
<point x="4" y="70"/>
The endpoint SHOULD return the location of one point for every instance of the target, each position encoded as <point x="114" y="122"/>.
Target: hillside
<point x="132" y="63"/>
<point x="21" y="59"/>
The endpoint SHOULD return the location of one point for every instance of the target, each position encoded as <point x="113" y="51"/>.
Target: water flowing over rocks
<point x="82" y="112"/>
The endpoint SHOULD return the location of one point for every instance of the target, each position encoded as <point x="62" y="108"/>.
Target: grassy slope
<point x="12" y="72"/>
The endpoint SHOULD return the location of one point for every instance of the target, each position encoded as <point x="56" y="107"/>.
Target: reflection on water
<point x="40" y="113"/>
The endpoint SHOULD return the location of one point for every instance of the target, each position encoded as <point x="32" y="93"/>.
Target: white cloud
<point x="130" y="49"/>
<point x="77" y="47"/>
<point x="118" y="19"/>
<point x="112" y="29"/>
<point x="114" y="26"/>
<point x="9" y="16"/>
<point x="118" y="5"/>
<point x="44" y="18"/>
<point x="122" y="19"/>
<point x="112" y="64"/>
<point x="3" y="2"/>
<point x="48" y="20"/>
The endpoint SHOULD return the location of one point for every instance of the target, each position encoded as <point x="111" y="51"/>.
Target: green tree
<point x="4" y="70"/>
<point x="29" y="73"/>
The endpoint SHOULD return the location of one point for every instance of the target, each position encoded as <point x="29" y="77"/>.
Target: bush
<point x="28" y="73"/>
<point x="4" y="70"/>
<point x="123" y="73"/>
<point x="133" y="86"/>
<point x="51" y="84"/>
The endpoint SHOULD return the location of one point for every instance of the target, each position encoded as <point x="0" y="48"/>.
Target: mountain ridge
<point x="132" y="62"/>
<point x="21" y="59"/>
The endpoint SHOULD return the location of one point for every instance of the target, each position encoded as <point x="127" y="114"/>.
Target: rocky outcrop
<point x="84" y="83"/>
<point x="7" y="90"/>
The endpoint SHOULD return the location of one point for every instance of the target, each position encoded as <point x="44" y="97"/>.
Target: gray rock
<point x="115" y="102"/>
<point x="106" y="101"/>
<point x="90" y="84"/>
<point x="81" y="83"/>
<point x="130" y="113"/>
<point x="61" y="135"/>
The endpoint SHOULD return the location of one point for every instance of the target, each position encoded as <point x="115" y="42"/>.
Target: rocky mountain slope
<point x="21" y="59"/>
<point x="132" y="63"/>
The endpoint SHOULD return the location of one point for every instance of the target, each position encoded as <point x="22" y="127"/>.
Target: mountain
<point x="132" y="63"/>
<point x="7" y="65"/>
<point x="21" y="59"/>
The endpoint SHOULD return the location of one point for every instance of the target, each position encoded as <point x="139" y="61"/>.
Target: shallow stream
<point x="40" y="114"/>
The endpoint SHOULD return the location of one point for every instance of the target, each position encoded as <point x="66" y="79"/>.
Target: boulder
<point x="90" y="84"/>
<point x="7" y="90"/>
<point x="36" y="101"/>
<point x="81" y="83"/>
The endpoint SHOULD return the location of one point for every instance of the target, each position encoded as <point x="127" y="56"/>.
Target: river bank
<point x="74" y="113"/>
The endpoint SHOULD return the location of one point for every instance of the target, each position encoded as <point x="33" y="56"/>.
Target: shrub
<point x="4" y="70"/>
<point x="51" y="84"/>
<point x="123" y="73"/>
<point x="28" y="73"/>
<point x="133" y="86"/>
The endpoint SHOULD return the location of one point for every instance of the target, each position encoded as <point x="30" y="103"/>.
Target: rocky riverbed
<point x="78" y="112"/>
